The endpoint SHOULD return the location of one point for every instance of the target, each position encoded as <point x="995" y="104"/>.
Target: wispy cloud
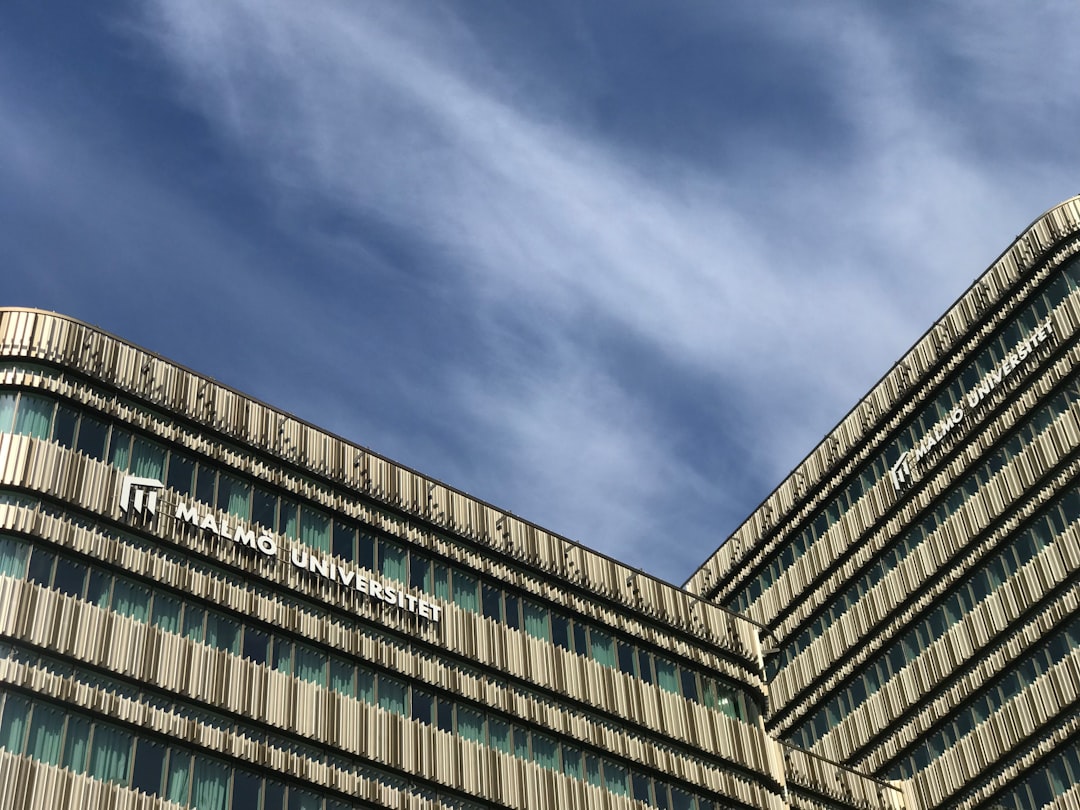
<point x="582" y="265"/>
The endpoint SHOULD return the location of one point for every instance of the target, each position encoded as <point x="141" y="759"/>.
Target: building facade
<point x="918" y="571"/>
<point x="206" y="602"/>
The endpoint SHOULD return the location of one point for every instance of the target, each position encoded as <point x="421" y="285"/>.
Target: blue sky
<point x="616" y="267"/>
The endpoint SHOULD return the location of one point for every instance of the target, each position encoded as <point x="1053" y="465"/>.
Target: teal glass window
<point x="147" y="459"/>
<point x="34" y="416"/>
<point x="110" y="752"/>
<point x="234" y="496"/>
<point x="470" y="724"/>
<point x="209" y="784"/>
<point x="603" y="648"/>
<point x="392" y="694"/>
<point x="465" y="592"/>
<point x="310" y="665"/>
<point x="341" y="677"/>
<point x="315" y="529"/>
<point x="392" y="560"/>
<point x="536" y="620"/>
<point x="7" y="412"/>
<point x="120" y="448"/>
<point x="77" y="744"/>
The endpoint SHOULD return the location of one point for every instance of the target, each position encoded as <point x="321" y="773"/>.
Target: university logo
<point x="139" y="495"/>
<point x="900" y="472"/>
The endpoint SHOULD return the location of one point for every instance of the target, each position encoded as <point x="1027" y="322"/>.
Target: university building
<point x="208" y="603"/>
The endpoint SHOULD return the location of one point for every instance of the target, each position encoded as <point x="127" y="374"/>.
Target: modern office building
<point x="205" y="602"/>
<point x="918" y="571"/>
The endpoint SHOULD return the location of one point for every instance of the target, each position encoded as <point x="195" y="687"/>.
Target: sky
<point x="616" y="267"/>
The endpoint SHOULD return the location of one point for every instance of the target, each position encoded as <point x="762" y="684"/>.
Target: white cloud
<point x="397" y="116"/>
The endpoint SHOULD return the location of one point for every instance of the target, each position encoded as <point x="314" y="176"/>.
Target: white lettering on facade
<point x="902" y="473"/>
<point x="132" y="497"/>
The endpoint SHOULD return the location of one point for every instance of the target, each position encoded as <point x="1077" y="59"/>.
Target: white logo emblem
<point x="145" y="492"/>
<point x="900" y="472"/>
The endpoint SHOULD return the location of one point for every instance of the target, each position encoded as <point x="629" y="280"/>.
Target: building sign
<point x="902" y="473"/>
<point x="139" y="496"/>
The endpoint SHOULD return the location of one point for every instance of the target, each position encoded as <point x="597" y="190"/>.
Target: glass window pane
<point x="209" y="784"/>
<point x="560" y="630"/>
<point x="34" y="417"/>
<point x="419" y="572"/>
<point x="303" y="800"/>
<point x="392" y="560"/>
<point x="46" y="734"/>
<point x="441" y="581"/>
<point x="392" y="694"/>
<point x="166" y="613"/>
<point x="287" y="513"/>
<point x="310" y="665"/>
<point x="592" y="770"/>
<point x="179" y="775"/>
<point x="149" y="767"/>
<point x="341" y="677"/>
<point x="422" y="705"/>
<point x="181" y="473"/>
<point x="193" y="622"/>
<point x="76" y="744"/>
<point x="445" y="715"/>
<point x="365" y="684"/>
<point x="365" y="551"/>
<point x="536" y="620"/>
<point x="499" y="734"/>
<point x="571" y="761"/>
<point x="110" y="753"/>
<point x="120" y="448"/>
<point x="69" y="577"/>
<point x="492" y="602"/>
<point x="41" y="567"/>
<point x="666" y="676"/>
<point x="344" y="541"/>
<point x="470" y="724"/>
<point x="603" y="648"/>
<point x="222" y="632"/>
<point x="256" y="644"/>
<point x="315" y="529"/>
<point x="545" y="751"/>
<point x="581" y="642"/>
<point x="13" y="556"/>
<point x="234" y="496"/>
<point x="147" y="459"/>
<point x="7" y="411"/>
<point x="130" y="599"/>
<point x="264" y="509"/>
<point x="465" y="595"/>
<point x="274" y="796"/>
<point x="642" y="785"/>
<point x="512" y="611"/>
<point x="92" y="435"/>
<point x="205" y="478"/>
<point x="245" y="792"/>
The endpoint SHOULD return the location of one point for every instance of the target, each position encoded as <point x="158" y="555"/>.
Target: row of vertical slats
<point x="658" y="714"/>
<point x="238" y="418"/>
<point x="97" y="638"/>
<point x="788" y="504"/>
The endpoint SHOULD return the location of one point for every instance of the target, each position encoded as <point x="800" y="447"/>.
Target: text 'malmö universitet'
<point x="208" y="603"/>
